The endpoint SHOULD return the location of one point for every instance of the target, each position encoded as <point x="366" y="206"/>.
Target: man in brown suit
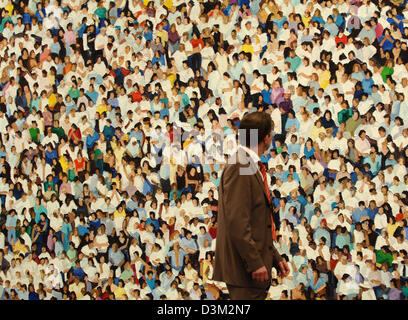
<point x="245" y="254"/>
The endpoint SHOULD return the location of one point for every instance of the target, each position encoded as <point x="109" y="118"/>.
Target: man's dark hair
<point x="260" y="121"/>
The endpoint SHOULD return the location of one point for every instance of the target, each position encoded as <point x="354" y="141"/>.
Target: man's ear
<point x="266" y="137"/>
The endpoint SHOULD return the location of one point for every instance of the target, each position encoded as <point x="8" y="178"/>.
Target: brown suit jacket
<point x="244" y="235"/>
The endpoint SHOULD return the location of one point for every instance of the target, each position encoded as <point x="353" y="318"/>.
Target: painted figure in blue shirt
<point x="275" y="200"/>
<point x="59" y="248"/>
<point x="279" y="20"/>
<point x="166" y="279"/>
<point x="147" y="186"/>
<point x="313" y="104"/>
<point x="188" y="244"/>
<point x="151" y="280"/>
<point x="153" y="221"/>
<point x="148" y="34"/>
<point x="319" y="19"/>
<point x="343" y="239"/>
<point x="158" y="291"/>
<point x="374" y="160"/>
<point x="44" y="225"/>
<point x="278" y="174"/>
<point x="301" y="276"/>
<point x="299" y="260"/>
<point x="32" y="294"/>
<point x="38" y="209"/>
<point x="322" y="232"/>
<point x="91" y="139"/>
<point x="361" y="213"/>
<point x="375" y="95"/>
<point x="300" y="199"/>
<point x="397" y="186"/>
<point x="395" y="109"/>
<point x="292" y="121"/>
<point x="309" y="150"/>
<point x="316" y="282"/>
<point x="367" y="82"/>
<point x="338" y="18"/>
<point x="290" y="175"/>
<point x="40" y="14"/>
<point x="292" y="215"/>
<point x="266" y="94"/>
<point x="386" y="41"/>
<point x="294" y="148"/>
<point x="113" y="101"/>
<point x="66" y="233"/>
<point x="265" y="68"/>
<point x="281" y="246"/>
<point x="108" y="131"/>
<point x="11" y="223"/>
<point x="309" y="210"/>
<point x="202" y="236"/>
<point x="164" y="111"/>
<point x="283" y="209"/>
<point x="241" y="3"/>
<point x="92" y="94"/>
<point x="294" y="60"/>
<point x="176" y="257"/>
<point x="116" y="256"/>
<point x="55" y="47"/>
<point x="299" y="101"/>
<point x="77" y="271"/>
<point x="50" y="154"/>
<point x="82" y="228"/>
<point x="236" y="68"/>
<point x="82" y="28"/>
<point x="331" y="27"/>
<point x="357" y="75"/>
<point x="395" y="18"/>
<point x="141" y="211"/>
<point x="372" y="210"/>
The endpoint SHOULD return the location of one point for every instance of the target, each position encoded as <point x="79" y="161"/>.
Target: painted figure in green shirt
<point x="383" y="256"/>
<point x="345" y="114"/>
<point x="98" y="159"/>
<point x="101" y="11"/>
<point x="387" y="70"/>
<point x="35" y="132"/>
<point x="58" y="130"/>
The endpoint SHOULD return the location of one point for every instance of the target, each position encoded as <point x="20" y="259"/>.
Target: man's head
<point x="255" y="130"/>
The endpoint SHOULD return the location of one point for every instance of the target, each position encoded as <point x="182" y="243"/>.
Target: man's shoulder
<point x="237" y="162"/>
